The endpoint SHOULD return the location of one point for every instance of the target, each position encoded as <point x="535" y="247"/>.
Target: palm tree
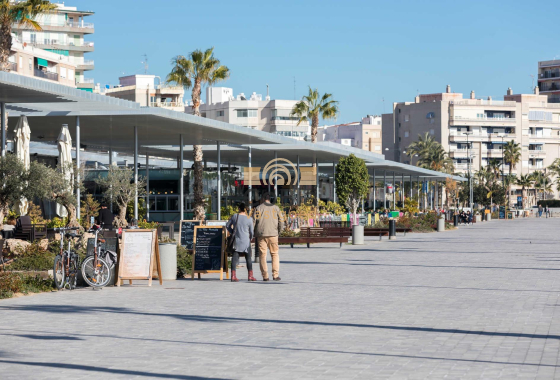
<point x="423" y="146"/>
<point x="524" y="180"/>
<point x="512" y="155"/>
<point x="21" y="13"/>
<point x="543" y="182"/>
<point x="311" y="106"/>
<point x="494" y="167"/>
<point x="199" y="68"/>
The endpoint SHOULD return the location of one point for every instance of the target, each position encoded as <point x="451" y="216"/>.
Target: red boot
<point x="234" y="277"/>
<point x="251" y="278"/>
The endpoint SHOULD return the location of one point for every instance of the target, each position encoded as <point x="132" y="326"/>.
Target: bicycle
<point x="65" y="270"/>
<point x="95" y="269"/>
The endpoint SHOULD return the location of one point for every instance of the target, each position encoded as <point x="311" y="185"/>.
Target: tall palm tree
<point x="423" y="146"/>
<point x="512" y="155"/>
<point x="543" y="183"/>
<point x="525" y="181"/>
<point x="494" y="167"/>
<point x="199" y="68"/>
<point x="311" y="106"/>
<point x="21" y="13"/>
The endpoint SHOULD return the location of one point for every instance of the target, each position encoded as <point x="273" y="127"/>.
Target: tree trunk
<point x="72" y="221"/>
<point x="198" y="206"/>
<point x="196" y="97"/>
<point x="5" y="45"/>
<point x="3" y="212"/>
<point x="314" y="125"/>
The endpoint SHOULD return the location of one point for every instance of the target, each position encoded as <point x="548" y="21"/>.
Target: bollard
<point x="456" y="220"/>
<point x="441" y="224"/>
<point x="392" y="229"/>
<point x="488" y="217"/>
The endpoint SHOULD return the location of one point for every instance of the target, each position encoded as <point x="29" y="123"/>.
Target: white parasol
<point x="64" y="161"/>
<point x="22" y="137"/>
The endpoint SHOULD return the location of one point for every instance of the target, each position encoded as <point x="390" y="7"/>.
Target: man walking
<point x="269" y="222"/>
<point x="105" y="218"/>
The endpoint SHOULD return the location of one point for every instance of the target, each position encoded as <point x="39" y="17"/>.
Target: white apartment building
<point x="365" y="134"/>
<point x="549" y="80"/>
<point x="477" y="127"/>
<point x="57" y="51"/>
<point x="144" y="90"/>
<point x="267" y="115"/>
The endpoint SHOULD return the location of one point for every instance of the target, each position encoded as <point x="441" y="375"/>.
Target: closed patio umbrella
<point x="64" y="161"/>
<point x="22" y="137"/>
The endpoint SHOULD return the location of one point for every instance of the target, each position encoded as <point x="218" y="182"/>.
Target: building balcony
<point x="459" y="137"/>
<point x="12" y="66"/>
<point x="549" y="87"/>
<point x="461" y="166"/>
<point x="168" y="105"/>
<point x="493" y="121"/>
<point x="482" y="102"/>
<point x="61" y="45"/>
<point x="85" y="83"/>
<point x="541" y="137"/>
<point x="85" y="65"/>
<point x="75" y="27"/>
<point x="492" y="153"/>
<point x="46" y="75"/>
<point x="537" y="152"/>
<point x="549" y="75"/>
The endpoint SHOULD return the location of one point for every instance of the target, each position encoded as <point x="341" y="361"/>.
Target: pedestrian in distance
<point x="540" y="211"/>
<point x="105" y="218"/>
<point x="241" y="226"/>
<point x="269" y="223"/>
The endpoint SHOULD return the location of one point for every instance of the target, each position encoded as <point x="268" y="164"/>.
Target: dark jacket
<point x="105" y="218"/>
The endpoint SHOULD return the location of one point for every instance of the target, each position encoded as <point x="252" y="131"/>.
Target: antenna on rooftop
<point x="533" y="82"/>
<point x="383" y="101"/>
<point x="145" y="63"/>
<point x="295" y="88"/>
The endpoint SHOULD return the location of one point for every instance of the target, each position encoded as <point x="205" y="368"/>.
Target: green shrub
<point x="33" y="258"/>
<point x="184" y="262"/>
<point x="57" y="222"/>
<point x="36" y="284"/>
<point x="143" y="224"/>
<point x="289" y="233"/>
<point x="10" y="283"/>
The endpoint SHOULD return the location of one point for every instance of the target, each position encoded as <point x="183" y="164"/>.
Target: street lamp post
<point x="469" y="170"/>
<point x="503" y="163"/>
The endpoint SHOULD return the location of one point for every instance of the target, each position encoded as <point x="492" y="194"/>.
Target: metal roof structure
<point x="108" y="123"/>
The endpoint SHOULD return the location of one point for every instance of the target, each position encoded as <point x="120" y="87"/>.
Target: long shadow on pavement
<point x="214" y="319"/>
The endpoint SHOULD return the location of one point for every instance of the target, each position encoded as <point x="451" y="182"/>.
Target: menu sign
<point x="209" y="243"/>
<point x="138" y="254"/>
<point x="186" y="231"/>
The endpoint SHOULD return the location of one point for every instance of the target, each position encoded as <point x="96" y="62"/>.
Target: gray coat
<point x="243" y="233"/>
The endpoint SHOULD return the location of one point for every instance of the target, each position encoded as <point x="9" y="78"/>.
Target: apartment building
<point x="144" y="90"/>
<point x="267" y="115"/>
<point x="549" y="79"/>
<point x="57" y="51"/>
<point x="365" y="134"/>
<point x="478" y="128"/>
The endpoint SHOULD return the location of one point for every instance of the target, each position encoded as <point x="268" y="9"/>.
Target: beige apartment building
<point x="549" y="79"/>
<point x="143" y="89"/>
<point x="253" y="112"/>
<point x="56" y="53"/>
<point x="479" y="128"/>
<point x="365" y="134"/>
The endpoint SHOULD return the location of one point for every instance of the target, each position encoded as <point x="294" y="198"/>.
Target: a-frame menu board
<point x="139" y="253"/>
<point x="209" y="251"/>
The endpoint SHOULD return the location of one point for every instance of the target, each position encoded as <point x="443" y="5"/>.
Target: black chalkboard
<point x="187" y="232"/>
<point x="109" y="245"/>
<point x="209" y="248"/>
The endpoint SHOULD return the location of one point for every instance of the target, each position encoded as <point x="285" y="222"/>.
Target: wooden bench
<point x="400" y="229"/>
<point x="340" y="232"/>
<point x="311" y="240"/>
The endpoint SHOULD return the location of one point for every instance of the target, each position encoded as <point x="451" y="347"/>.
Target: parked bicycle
<point x="66" y="263"/>
<point x="96" y="268"/>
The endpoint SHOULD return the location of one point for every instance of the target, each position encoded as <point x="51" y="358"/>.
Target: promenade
<point x="478" y="303"/>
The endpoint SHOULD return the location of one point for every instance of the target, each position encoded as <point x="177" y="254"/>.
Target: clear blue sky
<point x="360" y="51"/>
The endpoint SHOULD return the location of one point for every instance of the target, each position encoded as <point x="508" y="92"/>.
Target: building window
<point x="406" y="117"/>
<point x="246" y="113"/>
<point x="432" y="132"/>
<point x="203" y="114"/>
<point x="63" y="72"/>
<point x="21" y="62"/>
<point x="378" y="147"/>
<point x="367" y="133"/>
<point x="30" y="64"/>
<point x="406" y="134"/>
<point x="70" y="74"/>
<point x="220" y="113"/>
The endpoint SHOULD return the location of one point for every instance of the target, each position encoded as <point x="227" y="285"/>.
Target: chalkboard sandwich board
<point x="208" y="250"/>
<point x="186" y="231"/>
<point x="139" y="253"/>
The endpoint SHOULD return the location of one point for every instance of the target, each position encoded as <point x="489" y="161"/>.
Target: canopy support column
<point x="111" y="190"/>
<point x="334" y="181"/>
<point x="384" y="189"/>
<point x="374" y="192"/>
<point x="436" y="200"/>
<point x="136" y="173"/>
<point x="181" y="179"/>
<point x="3" y="123"/>
<point x="316" y="182"/>
<point x="275" y="185"/>
<point x="394" y="192"/>
<point x="403" y="192"/>
<point x="251" y="181"/>
<point x="78" y="195"/>
<point x="147" y="187"/>
<point x="298" y="176"/>
<point x="219" y="182"/>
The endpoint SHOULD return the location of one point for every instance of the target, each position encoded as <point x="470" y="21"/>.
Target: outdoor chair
<point x="24" y="228"/>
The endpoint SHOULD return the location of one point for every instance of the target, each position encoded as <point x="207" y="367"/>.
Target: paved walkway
<point x="481" y="302"/>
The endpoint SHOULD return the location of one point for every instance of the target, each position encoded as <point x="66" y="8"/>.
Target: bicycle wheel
<point x="73" y="272"/>
<point x="58" y="272"/>
<point x="96" y="275"/>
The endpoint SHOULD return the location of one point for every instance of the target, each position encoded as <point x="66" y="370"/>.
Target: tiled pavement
<point x="480" y="302"/>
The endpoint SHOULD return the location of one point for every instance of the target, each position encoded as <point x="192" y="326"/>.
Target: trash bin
<point x="168" y="259"/>
<point x="478" y="218"/>
<point x="488" y="217"/>
<point x="441" y="223"/>
<point x="392" y="229"/>
<point x="357" y="235"/>
<point x="456" y="220"/>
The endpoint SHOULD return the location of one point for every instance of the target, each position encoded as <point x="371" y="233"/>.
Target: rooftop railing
<point x="465" y="118"/>
<point x="483" y="102"/>
<point x="166" y="104"/>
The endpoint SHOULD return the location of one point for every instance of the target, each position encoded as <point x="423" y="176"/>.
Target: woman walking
<point x="241" y="226"/>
